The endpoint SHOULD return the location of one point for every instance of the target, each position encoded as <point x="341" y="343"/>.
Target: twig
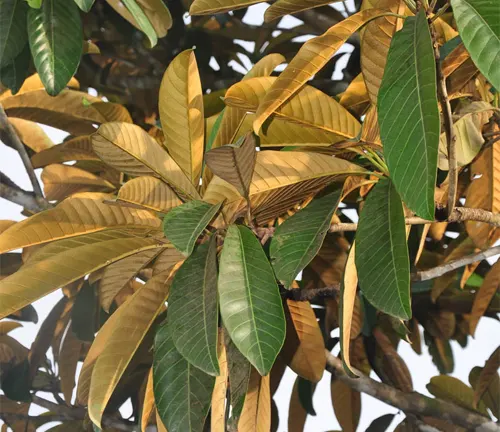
<point x="308" y="294"/>
<point x="12" y="192"/>
<point x="412" y="403"/>
<point x="15" y="142"/>
<point x="448" y="125"/>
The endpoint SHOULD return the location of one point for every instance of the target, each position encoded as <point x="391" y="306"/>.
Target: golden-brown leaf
<point x="313" y="55"/>
<point x="167" y="260"/>
<point x="454" y="60"/>
<point x="308" y="106"/>
<point x="256" y="413"/>
<point x="31" y="134"/>
<point x="491" y="397"/>
<point x="128" y="326"/>
<point x="159" y="424"/>
<point x="21" y="408"/>
<point x="209" y="7"/>
<point x="148" y="407"/>
<point x="158" y="15"/>
<point x="346" y="404"/>
<point x="218" y="407"/>
<point x="297" y="415"/>
<point x="33" y="82"/>
<point x="288" y="7"/>
<point x="4" y="224"/>
<point x="130" y="149"/>
<point x="69" y="355"/>
<point x="181" y="114"/>
<point x="486" y="376"/>
<point x="11" y="351"/>
<point x="265" y="66"/>
<point x="7" y="326"/>
<point x="355" y="98"/>
<point x="79" y="148"/>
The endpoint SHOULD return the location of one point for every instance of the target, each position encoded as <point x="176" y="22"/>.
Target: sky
<point x="422" y="369"/>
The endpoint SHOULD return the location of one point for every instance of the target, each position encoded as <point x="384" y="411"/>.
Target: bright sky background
<point x="421" y="367"/>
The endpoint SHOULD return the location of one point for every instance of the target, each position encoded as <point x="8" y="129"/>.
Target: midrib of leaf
<point x="238" y="171"/>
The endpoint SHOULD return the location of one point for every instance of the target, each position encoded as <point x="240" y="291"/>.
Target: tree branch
<point x="14" y="142"/>
<point x="12" y="192"/>
<point x="411" y="403"/>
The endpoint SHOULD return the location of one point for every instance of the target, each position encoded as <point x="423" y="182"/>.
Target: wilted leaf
<point x="250" y="303"/>
<point x="256" y="414"/>
<point x="346" y="404"/>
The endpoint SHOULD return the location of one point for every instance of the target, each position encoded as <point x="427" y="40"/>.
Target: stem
<point x="13" y="193"/>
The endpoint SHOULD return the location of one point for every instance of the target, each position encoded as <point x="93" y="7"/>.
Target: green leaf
<point x="143" y="21"/>
<point x="381" y="252"/>
<point x="214" y="131"/>
<point x="250" y="302"/>
<point x="182" y="391"/>
<point x="35" y="4"/>
<point x="306" y="390"/>
<point x="479" y="27"/>
<point x="297" y="240"/>
<point x="409" y="116"/>
<point x="192" y="308"/>
<point x="13" y="75"/>
<point x="16" y="382"/>
<point x="55" y="36"/>
<point x="83" y="313"/>
<point x="85" y="5"/>
<point x="13" y="36"/>
<point x="183" y="224"/>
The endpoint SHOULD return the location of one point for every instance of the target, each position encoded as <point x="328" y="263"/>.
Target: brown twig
<point x="12" y="192"/>
<point x="411" y="403"/>
<point x="309" y="294"/>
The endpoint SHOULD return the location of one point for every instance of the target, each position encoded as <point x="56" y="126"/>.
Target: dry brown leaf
<point x="280" y="8"/>
<point x="69" y="355"/>
<point x="355" y="98"/>
<point x="256" y="413"/>
<point x="79" y="148"/>
<point x="454" y="60"/>
<point x="486" y="376"/>
<point x="346" y="404"/>
<point x="7" y="326"/>
<point x="218" y="407"/>
<point x="297" y="415"/>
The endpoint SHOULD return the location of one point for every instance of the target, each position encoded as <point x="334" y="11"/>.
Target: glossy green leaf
<point x="250" y="301"/>
<point x="192" y="308"/>
<point x="183" y="224"/>
<point x="182" y="391"/>
<point x="13" y="36"/>
<point x="297" y="240"/>
<point x="479" y="25"/>
<point x="55" y="37"/>
<point x="143" y="21"/>
<point x="36" y="4"/>
<point x="381" y="252"/>
<point x="13" y="74"/>
<point x="85" y="5"/>
<point x="408" y="115"/>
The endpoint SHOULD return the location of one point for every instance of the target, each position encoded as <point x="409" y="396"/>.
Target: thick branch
<point x="13" y="141"/>
<point x="411" y="403"/>
<point x="309" y="294"/>
<point x="12" y="192"/>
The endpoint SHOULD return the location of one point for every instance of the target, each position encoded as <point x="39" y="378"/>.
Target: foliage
<point x="200" y="217"/>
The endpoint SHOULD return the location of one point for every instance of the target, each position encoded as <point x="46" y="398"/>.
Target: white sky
<point x="421" y="367"/>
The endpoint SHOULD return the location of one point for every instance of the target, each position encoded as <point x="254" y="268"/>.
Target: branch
<point x="12" y="192"/>
<point x="309" y="294"/>
<point x="14" y="142"/>
<point x="411" y="403"/>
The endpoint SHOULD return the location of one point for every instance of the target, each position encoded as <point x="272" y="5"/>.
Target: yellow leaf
<point x="346" y="404"/>
<point x="66" y="111"/>
<point x="313" y="55"/>
<point x="69" y="355"/>
<point x="308" y="106"/>
<point x="265" y="66"/>
<point x="288" y="7"/>
<point x="309" y="358"/>
<point x="355" y="98"/>
<point x="33" y="82"/>
<point x="444" y="31"/>
<point x="4" y="224"/>
<point x="80" y="214"/>
<point x="61" y="181"/>
<point x="209" y="7"/>
<point x="7" y="326"/>
<point x="218" y="407"/>
<point x="148" y="407"/>
<point x="31" y="134"/>
<point x="79" y="148"/>
<point x="349" y="287"/>
<point x="129" y="149"/>
<point x="128" y="326"/>
<point x="297" y="415"/>
<point x="273" y="189"/>
<point x="63" y="262"/>
<point x="256" y="413"/>
<point x="116" y="276"/>
<point x="181" y="114"/>
<point x="158" y="15"/>
<point x="159" y="424"/>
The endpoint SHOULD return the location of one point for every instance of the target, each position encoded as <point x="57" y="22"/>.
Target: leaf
<point x="408" y="115"/>
<point x="308" y="106"/>
<point x="381" y="424"/>
<point x="382" y="254"/>
<point x="306" y="392"/>
<point x="129" y="149"/>
<point x="486" y="376"/>
<point x="275" y="183"/>
<point x="492" y="394"/>
<point x="209" y="7"/>
<point x="309" y="359"/>
<point x="149" y="192"/>
<point x="313" y="55"/>
<point x="477" y="22"/>
<point x="297" y="415"/>
<point x="348" y="289"/>
<point x="453" y="390"/>
<point x="69" y="355"/>
<point x="256" y="414"/>
<point x="61" y="181"/>
<point x="13" y="74"/>
<point x="7" y="326"/>
<point x="375" y="41"/>
<point x="218" y="405"/>
<point x="250" y="303"/>
<point x="13" y="37"/>
<point x="454" y="60"/>
<point x="166" y="260"/>
<point x="63" y="262"/>
<point x="297" y="240"/>
<point x="142" y="21"/>
<point x="117" y="275"/>
<point x="288" y="7"/>
<point x="183" y="225"/>
<point x="181" y="114"/>
<point x="9" y="406"/>
<point x="182" y="391"/>
<point x="484" y="296"/>
<point x="346" y="404"/>
<point x="158" y="15"/>
<point x="355" y="98"/>
<point x="55" y="36"/>
<point x="193" y="310"/>
<point x="79" y="148"/>
<point x="127" y="328"/>
<point x="66" y="111"/>
<point x="148" y="406"/>
<point x="80" y="214"/>
<point x="83" y="313"/>
<point x="85" y="5"/>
